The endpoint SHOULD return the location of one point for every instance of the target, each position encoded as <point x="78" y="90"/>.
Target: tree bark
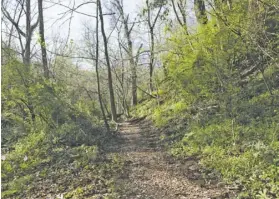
<point x="134" y="72"/>
<point x="110" y="85"/>
<point x="127" y="31"/>
<point x="180" y="13"/>
<point x="124" y="101"/>
<point x="200" y="12"/>
<point x="42" y="39"/>
<point x="28" y="34"/>
<point x="97" y="70"/>
<point x="151" y="25"/>
<point x="151" y="64"/>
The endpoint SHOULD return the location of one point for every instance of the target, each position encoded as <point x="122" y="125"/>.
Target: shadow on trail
<point x="150" y="173"/>
<point x="135" y="135"/>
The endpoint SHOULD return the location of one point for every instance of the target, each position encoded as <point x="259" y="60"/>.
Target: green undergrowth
<point x="162" y="109"/>
<point x="52" y="139"/>
<point x="58" y="161"/>
<point x="238" y="139"/>
<point x="229" y="122"/>
<point x="74" y="171"/>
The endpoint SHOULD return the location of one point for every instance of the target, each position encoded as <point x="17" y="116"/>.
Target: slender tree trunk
<point x="134" y="86"/>
<point x="110" y="85"/>
<point x="97" y="70"/>
<point x="151" y="25"/>
<point x="124" y="101"/>
<point x="151" y="64"/>
<point x="27" y="53"/>
<point x="182" y="10"/>
<point x="42" y="38"/>
<point x="133" y="69"/>
<point x="184" y="15"/>
<point x="200" y="12"/>
<point x="28" y="35"/>
<point x="132" y="63"/>
<point x="26" y="49"/>
<point x="129" y="50"/>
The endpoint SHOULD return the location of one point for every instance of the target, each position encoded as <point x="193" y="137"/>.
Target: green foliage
<point x="220" y="83"/>
<point x="245" y="154"/>
<point x="46" y="125"/>
<point x="167" y="111"/>
<point x="226" y="87"/>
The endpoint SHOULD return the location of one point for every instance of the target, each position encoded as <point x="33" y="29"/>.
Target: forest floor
<point x="133" y="164"/>
<point x="150" y="173"/>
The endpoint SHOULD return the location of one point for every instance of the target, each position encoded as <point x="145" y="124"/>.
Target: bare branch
<point x="15" y="24"/>
<point x="175" y="12"/>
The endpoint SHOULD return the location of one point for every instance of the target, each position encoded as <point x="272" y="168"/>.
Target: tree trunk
<point x="27" y="53"/>
<point x="182" y="10"/>
<point x="151" y="25"/>
<point x="151" y="64"/>
<point x="124" y="101"/>
<point x="42" y="38"/>
<point x="127" y="32"/>
<point x="110" y="85"/>
<point x="200" y="12"/>
<point x="97" y="70"/>
<point x="133" y="68"/>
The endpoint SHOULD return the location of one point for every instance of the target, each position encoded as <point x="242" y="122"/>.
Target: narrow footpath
<point x="151" y="174"/>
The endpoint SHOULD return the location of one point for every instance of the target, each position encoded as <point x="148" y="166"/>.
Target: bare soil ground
<point x="149" y="173"/>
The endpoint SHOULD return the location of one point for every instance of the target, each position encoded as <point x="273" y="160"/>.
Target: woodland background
<point x="212" y="84"/>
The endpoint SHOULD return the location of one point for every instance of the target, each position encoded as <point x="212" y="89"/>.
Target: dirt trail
<point x="149" y="174"/>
